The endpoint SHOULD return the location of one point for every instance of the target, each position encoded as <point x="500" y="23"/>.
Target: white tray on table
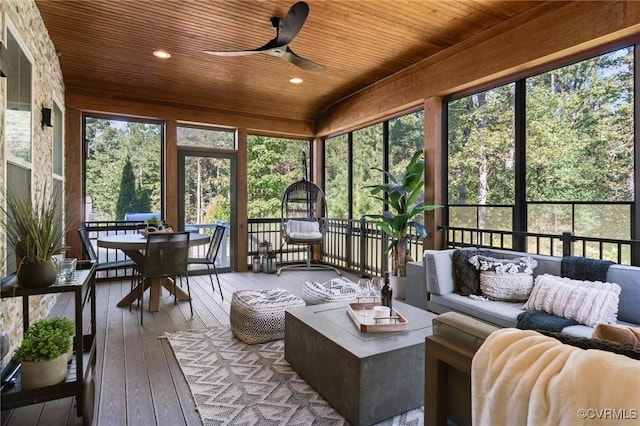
<point x="369" y="324"/>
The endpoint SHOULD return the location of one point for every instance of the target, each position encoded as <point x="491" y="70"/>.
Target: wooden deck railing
<point x="359" y="246"/>
<point x="626" y="252"/>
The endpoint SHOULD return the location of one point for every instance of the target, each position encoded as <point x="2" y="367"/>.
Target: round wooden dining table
<point x="133" y="245"/>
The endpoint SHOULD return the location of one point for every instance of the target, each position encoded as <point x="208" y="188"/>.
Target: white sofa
<point x="442" y="296"/>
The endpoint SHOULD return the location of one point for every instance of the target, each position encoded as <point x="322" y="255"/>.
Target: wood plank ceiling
<point x="107" y="46"/>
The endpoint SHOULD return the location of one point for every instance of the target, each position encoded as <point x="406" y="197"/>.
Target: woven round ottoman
<point x="257" y="316"/>
<point x="335" y="290"/>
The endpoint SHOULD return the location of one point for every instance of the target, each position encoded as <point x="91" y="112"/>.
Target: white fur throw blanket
<point x="520" y="377"/>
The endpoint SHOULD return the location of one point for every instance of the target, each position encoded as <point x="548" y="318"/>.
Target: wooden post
<point x="239" y="222"/>
<point x="73" y="184"/>
<point x="433" y="172"/>
<point x="171" y="172"/>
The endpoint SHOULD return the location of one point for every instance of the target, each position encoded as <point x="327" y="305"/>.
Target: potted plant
<point x="43" y="352"/>
<point x="35" y="230"/>
<point x="401" y="194"/>
<point x="68" y="327"/>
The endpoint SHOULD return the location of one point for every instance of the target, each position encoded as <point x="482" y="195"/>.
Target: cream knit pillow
<point x="588" y="302"/>
<point x="505" y="279"/>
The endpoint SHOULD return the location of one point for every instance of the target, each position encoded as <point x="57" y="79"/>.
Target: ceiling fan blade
<point x="292" y="23"/>
<point x="290" y="56"/>
<point x="233" y="53"/>
<point x="286" y="29"/>
<point x="274" y="43"/>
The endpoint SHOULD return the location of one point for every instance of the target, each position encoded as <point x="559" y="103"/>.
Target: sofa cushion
<point x="618" y="333"/>
<point x="505" y="279"/>
<point x="628" y="278"/>
<point x="438" y="270"/>
<point x="466" y="275"/>
<point x="503" y="314"/>
<point x="588" y="302"/>
<point x="462" y="330"/>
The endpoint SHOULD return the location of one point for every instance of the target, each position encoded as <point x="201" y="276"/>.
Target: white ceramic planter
<point x="44" y="373"/>
<point x="398" y="285"/>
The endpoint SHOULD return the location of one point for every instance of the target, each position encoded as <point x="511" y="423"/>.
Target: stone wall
<point x="48" y="86"/>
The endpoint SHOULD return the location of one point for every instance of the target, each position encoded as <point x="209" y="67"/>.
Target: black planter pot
<point x="37" y="274"/>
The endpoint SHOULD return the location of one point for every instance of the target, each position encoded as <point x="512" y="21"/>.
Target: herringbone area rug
<point x="238" y="384"/>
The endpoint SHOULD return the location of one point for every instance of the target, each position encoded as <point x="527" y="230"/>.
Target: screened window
<point x="481" y="134"/>
<point x="406" y="135"/>
<point x="580" y="131"/>
<point x="204" y="137"/>
<point x="273" y="164"/>
<point x="346" y="179"/>
<point x="123" y="168"/>
<point x="580" y="147"/>
<point x="577" y="169"/>
<point x="336" y="157"/>
<point x="207" y="178"/>
<point x="367" y="153"/>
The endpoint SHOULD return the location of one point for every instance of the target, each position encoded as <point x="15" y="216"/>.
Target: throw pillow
<point x="303" y="229"/>
<point x="588" y="302"/>
<point x="505" y="279"/>
<point x="467" y="277"/>
<point x="622" y="334"/>
<point x="540" y="320"/>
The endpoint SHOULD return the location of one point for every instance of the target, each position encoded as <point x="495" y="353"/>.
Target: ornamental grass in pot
<point x="35" y="230"/>
<point x="44" y="352"/>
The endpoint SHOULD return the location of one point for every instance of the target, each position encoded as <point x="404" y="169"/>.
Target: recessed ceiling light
<point x="296" y="80"/>
<point x="161" y="54"/>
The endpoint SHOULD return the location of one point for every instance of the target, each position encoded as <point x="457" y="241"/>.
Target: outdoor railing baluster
<point x="359" y="245"/>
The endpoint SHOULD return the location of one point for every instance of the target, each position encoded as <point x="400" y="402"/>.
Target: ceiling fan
<point x="286" y="29"/>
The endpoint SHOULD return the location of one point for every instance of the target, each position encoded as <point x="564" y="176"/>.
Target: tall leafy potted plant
<point x="402" y="195"/>
<point x="35" y="230"/>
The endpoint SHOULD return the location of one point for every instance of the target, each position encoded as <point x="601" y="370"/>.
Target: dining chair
<point x="165" y="256"/>
<point x="210" y="258"/>
<point x="90" y="254"/>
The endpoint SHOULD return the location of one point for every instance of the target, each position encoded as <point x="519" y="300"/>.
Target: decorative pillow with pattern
<point x="505" y="279"/>
<point x="467" y="278"/>
<point x="588" y="302"/>
<point x="524" y="264"/>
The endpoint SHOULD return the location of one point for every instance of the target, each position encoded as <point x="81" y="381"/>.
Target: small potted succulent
<point x="44" y="352"/>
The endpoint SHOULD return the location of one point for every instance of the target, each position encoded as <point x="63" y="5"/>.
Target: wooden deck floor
<point x="138" y="380"/>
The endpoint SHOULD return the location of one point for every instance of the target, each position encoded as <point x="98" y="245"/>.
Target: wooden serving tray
<point x="369" y="324"/>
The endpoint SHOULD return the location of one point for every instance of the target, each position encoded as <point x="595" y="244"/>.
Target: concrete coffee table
<point x="367" y="377"/>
